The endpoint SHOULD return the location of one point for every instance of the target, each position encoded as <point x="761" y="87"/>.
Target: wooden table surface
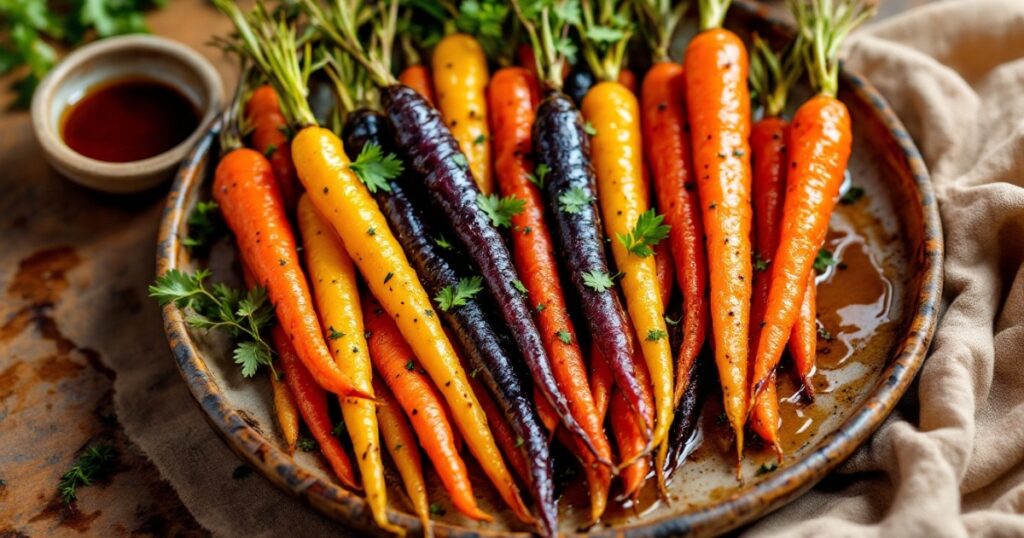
<point x="56" y="395"/>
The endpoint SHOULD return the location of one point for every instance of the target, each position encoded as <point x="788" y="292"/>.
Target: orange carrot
<point x="398" y="437"/>
<point x="286" y="411"/>
<point x="270" y="137"/>
<point x="245" y="188"/>
<point x="395" y="363"/>
<point x="669" y="155"/>
<point x="718" y="103"/>
<point x="417" y="77"/>
<point x="819" y="150"/>
<point x="803" y="343"/>
<point x="312" y="403"/>
<point x="511" y="446"/>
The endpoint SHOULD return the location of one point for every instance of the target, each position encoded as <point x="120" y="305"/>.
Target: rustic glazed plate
<point x="878" y="309"/>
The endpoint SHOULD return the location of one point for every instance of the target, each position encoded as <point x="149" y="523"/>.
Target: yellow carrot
<point x="398" y="437"/>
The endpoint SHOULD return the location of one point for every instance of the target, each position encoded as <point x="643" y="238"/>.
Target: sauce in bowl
<point x="128" y="119"/>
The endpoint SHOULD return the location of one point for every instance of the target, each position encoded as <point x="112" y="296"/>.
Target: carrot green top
<point x="659" y="19"/>
<point x="772" y="75"/>
<point x="605" y="28"/>
<point x="712" y="13"/>
<point x="341" y="22"/>
<point x="547" y="25"/>
<point x="824" y="24"/>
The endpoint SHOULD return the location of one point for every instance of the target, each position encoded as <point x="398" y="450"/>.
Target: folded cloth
<point x="950" y="460"/>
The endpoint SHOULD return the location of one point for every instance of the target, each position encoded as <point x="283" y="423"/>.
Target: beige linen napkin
<point x="950" y="461"/>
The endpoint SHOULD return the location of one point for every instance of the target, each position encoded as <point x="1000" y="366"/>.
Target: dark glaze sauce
<point x="127" y="120"/>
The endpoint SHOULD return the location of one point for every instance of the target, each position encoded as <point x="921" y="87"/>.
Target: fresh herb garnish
<point x="437" y="510"/>
<point x="306" y="444"/>
<point x="564" y="336"/>
<point x="205" y="226"/>
<point x="589" y="129"/>
<point x="654" y="335"/>
<point x="824" y="334"/>
<point x="518" y="285"/>
<point x="442" y="242"/>
<point x="481" y="138"/>
<point x="824" y="260"/>
<point x="597" y="281"/>
<point x="90" y="465"/>
<point x="333" y="333"/>
<point x="574" y="200"/>
<point x="460" y="294"/>
<point x="540" y="172"/>
<point x="648" y="232"/>
<point x="852" y="195"/>
<point x="244" y="315"/>
<point x="375" y="169"/>
<point x="519" y="441"/>
<point x="500" y="210"/>
<point x="270" y="150"/>
<point x="766" y="468"/>
<point x="760" y="264"/>
<point x="411" y="365"/>
<point x="339" y="429"/>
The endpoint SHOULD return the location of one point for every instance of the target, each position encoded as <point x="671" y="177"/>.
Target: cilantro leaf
<point x="518" y="285"/>
<point x="307" y="444"/>
<point x="442" y="242"/>
<point x="539" y="173"/>
<point x="250" y="356"/>
<point x="574" y="200"/>
<point x="458" y="295"/>
<point x="824" y="260"/>
<point x="597" y="281"/>
<point x="654" y="335"/>
<point x="564" y="336"/>
<point x="375" y="169"/>
<point x="648" y="232"/>
<point x="500" y="210"/>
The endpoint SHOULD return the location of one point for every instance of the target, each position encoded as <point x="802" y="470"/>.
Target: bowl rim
<point x="109" y="49"/>
<point x="741" y="507"/>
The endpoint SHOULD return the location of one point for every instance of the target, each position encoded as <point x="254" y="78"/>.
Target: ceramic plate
<point x="878" y="306"/>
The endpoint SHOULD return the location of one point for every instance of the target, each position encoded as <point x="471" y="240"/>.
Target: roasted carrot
<point x="337" y="297"/>
<point x="270" y="137"/>
<point x="395" y="363"/>
<point x="601" y="382"/>
<point x="612" y="110"/>
<point x="286" y="411"/>
<point x="803" y="343"/>
<point x="245" y="188"/>
<point x="718" y="103"/>
<point x="417" y="77"/>
<point x="771" y="77"/>
<point x="312" y="403"/>
<point x="512" y="96"/>
<point x="398" y="437"/>
<point x="511" y="445"/>
<point x="344" y="201"/>
<point x="628" y="432"/>
<point x="485" y="342"/>
<point x="561" y="144"/>
<point x="460" y="80"/>
<point x="669" y="155"/>
<point x="820" y="142"/>
<point x="548" y="417"/>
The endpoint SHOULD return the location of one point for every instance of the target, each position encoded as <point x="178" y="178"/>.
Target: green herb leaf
<point x="648" y="231"/>
<point x="597" y="281"/>
<point x="824" y="260"/>
<point x="760" y="264"/>
<point x="375" y="169"/>
<point x="852" y="195"/>
<point x="89" y="466"/>
<point x="604" y="34"/>
<point x="518" y="285"/>
<point x="451" y="297"/>
<point x="574" y="200"/>
<point x="564" y="336"/>
<point x="250" y="356"/>
<point x="766" y="468"/>
<point x="589" y="129"/>
<point x="205" y="226"/>
<point x="519" y="441"/>
<point x="500" y="210"/>
<point x="334" y="334"/>
<point x="540" y="172"/>
<point x="411" y="365"/>
<point x="654" y="335"/>
<point x="437" y="510"/>
<point x="481" y="138"/>
<point x="306" y="444"/>
<point x="442" y="242"/>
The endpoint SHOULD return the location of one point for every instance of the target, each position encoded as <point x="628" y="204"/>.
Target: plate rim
<point x="741" y="507"/>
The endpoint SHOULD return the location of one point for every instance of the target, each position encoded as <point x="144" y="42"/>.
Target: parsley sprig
<point x="244" y="315"/>
<point x="648" y="232"/>
<point x="824" y="260"/>
<point x="460" y="294"/>
<point x="500" y="210"/>
<point x="375" y="168"/>
<point x="597" y="281"/>
<point x="90" y="465"/>
<point x="573" y="200"/>
<point x="205" y="226"/>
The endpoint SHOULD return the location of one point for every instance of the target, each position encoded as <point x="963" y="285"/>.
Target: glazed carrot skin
<point x="422" y="136"/>
<point x="683" y="435"/>
<point x="669" y="156"/>
<point x="269" y="137"/>
<point x="417" y="77"/>
<point x="312" y="403"/>
<point x="398" y="437"/>
<point x="629" y="436"/>
<point x="347" y="205"/>
<point x="617" y="155"/>
<point x="560" y="143"/>
<point x="819" y="150"/>
<point x="803" y="343"/>
<point x="486" y="345"/>
<point x="768" y="147"/>
<point x="718" y="102"/>
<point x="421" y="402"/>
<point x="513" y="94"/>
<point x="336" y="292"/>
<point x="460" y="74"/>
<point x="286" y="411"/>
<point x="245" y="188"/>
<point x="510" y="445"/>
<point x="601" y="381"/>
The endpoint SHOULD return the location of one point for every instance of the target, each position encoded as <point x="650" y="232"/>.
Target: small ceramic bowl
<point x="157" y="58"/>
